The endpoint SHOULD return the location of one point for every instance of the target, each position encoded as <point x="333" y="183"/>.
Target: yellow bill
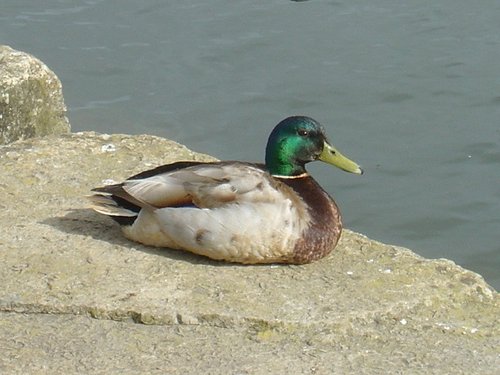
<point x="331" y="156"/>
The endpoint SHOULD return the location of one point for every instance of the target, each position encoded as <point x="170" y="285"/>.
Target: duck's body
<point x="234" y="211"/>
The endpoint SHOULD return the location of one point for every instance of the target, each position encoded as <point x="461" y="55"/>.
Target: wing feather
<point x="204" y="185"/>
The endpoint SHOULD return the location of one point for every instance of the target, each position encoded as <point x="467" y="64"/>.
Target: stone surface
<point x="77" y="297"/>
<point x="31" y="101"/>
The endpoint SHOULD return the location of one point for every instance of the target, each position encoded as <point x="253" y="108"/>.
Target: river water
<point x="409" y="89"/>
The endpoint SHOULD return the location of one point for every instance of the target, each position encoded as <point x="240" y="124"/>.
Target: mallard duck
<point x="236" y="211"/>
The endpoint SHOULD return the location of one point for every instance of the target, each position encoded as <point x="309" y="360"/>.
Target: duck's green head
<point x="298" y="140"/>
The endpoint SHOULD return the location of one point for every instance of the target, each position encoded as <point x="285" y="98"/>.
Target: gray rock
<point x="31" y="101"/>
<point x="77" y="297"/>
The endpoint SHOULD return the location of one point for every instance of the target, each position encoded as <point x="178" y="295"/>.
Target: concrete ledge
<point x="73" y="288"/>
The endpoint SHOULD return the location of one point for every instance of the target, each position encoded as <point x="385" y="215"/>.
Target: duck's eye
<point x="303" y="133"/>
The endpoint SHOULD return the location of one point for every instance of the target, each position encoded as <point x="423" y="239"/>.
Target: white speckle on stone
<point x="6" y="98"/>
<point x="403" y="321"/>
<point x="108" y="148"/>
<point x="108" y="181"/>
<point x="12" y="154"/>
<point x="474" y="330"/>
<point x="350" y="273"/>
<point x="370" y="261"/>
<point x="444" y="326"/>
<point x="387" y="270"/>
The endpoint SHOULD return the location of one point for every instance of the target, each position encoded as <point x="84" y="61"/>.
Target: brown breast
<point x="324" y="232"/>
